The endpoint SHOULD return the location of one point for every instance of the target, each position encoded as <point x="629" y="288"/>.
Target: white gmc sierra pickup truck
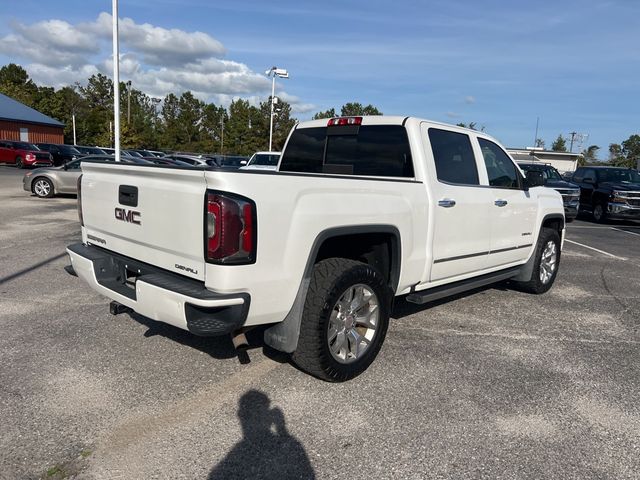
<point x="359" y="211"/>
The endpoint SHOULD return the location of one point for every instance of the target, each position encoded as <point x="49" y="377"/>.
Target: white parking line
<point x="596" y="250"/>
<point x="625" y="231"/>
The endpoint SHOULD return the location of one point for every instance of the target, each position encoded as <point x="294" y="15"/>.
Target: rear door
<point x="152" y="214"/>
<point x="512" y="209"/>
<point x="462" y="233"/>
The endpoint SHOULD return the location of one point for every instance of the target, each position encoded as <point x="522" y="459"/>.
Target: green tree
<point x="238" y="135"/>
<point x="630" y="152"/>
<point x="471" y="126"/>
<point x="615" y="153"/>
<point x="354" y="108"/>
<point x="15" y="83"/>
<point x="589" y="155"/>
<point x="559" y="145"/>
<point x="98" y="97"/>
<point x="326" y="114"/>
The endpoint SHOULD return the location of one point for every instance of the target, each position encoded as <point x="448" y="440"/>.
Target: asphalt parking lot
<point x="492" y="384"/>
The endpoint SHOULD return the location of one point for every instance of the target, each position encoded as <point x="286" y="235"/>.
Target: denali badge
<point x="186" y="269"/>
<point x="129" y="216"/>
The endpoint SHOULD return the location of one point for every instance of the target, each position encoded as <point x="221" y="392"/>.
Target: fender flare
<point x="284" y="335"/>
<point x="526" y="271"/>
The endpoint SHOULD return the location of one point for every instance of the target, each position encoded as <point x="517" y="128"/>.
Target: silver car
<point x="48" y="181"/>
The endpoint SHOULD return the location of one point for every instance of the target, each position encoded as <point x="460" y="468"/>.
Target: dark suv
<point x="61" y="154"/>
<point x="570" y="191"/>
<point x="609" y="192"/>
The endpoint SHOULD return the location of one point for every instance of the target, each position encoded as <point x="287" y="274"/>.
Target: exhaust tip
<point x="240" y="343"/>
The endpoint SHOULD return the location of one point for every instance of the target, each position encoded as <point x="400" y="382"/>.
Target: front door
<point x="513" y="210"/>
<point x="461" y="227"/>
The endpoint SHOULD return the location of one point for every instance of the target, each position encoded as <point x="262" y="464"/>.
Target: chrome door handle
<point x="446" y="203"/>
<point x="500" y="203"/>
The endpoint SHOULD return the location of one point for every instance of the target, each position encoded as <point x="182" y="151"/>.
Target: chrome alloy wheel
<point x="548" y="262"/>
<point x="353" y="323"/>
<point x="42" y="188"/>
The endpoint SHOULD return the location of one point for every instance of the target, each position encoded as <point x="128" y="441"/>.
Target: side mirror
<point x="533" y="179"/>
<point x="243" y="162"/>
<point x="65" y="166"/>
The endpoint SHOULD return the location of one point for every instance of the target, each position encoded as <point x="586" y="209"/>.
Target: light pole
<point x="128" y="102"/>
<point x="116" y="81"/>
<point x="274" y="72"/>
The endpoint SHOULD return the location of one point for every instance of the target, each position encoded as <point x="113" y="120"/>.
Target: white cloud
<point x="452" y="115"/>
<point x="157" y="60"/>
<point x="157" y="45"/>
<point x="469" y="99"/>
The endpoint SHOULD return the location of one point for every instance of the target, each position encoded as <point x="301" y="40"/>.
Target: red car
<point x="23" y="154"/>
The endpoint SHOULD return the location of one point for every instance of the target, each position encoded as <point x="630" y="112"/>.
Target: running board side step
<point x="442" y="291"/>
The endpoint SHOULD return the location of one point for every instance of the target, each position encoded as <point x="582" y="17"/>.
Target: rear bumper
<point x="158" y="294"/>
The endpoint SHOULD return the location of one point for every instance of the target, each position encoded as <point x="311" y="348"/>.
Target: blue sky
<point x="575" y="65"/>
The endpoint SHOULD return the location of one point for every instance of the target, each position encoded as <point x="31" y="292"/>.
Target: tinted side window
<point x="304" y="151"/>
<point x="590" y="173"/>
<point x="500" y="169"/>
<point x="453" y="155"/>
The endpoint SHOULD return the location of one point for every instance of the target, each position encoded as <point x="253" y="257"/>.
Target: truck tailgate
<point x="149" y="213"/>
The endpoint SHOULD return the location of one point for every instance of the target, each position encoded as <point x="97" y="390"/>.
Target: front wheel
<point x="345" y="320"/>
<point x="19" y="162"/>
<point x="43" y="187"/>
<point x="546" y="263"/>
<point x="599" y="213"/>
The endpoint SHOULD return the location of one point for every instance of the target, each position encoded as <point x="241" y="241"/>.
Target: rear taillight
<point x="340" y="121"/>
<point x="230" y="229"/>
<point x="79" y="184"/>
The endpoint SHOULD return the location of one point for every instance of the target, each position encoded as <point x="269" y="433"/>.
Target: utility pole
<point x="573" y="136"/>
<point x="73" y="119"/>
<point x="128" y="102"/>
<point x="222" y="134"/>
<point x="535" y="140"/>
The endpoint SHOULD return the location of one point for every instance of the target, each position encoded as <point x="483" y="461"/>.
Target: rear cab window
<point x="359" y="150"/>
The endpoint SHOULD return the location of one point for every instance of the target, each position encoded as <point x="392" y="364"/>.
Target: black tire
<point x="536" y="284"/>
<point x="330" y="281"/>
<point x="569" y="220"/>
<point x="19" y="163"/>
<point x="47" y="187"/>
<point x="599" y="213"/>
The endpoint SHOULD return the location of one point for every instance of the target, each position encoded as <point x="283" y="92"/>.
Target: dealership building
<point x="562" y="161"/>
<point x="19" y="122"/>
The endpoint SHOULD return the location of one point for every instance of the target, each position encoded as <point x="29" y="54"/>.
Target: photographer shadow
<point x="267" y="450"/>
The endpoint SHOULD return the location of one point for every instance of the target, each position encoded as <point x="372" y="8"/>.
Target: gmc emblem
<point x="129" y="216"/>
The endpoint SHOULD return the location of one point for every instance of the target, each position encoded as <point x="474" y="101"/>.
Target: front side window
<point x="501" y="171"/>
<point x="453" y="156"/>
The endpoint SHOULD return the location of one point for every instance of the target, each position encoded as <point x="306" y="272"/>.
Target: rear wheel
<point x="344" y="321"/>
<point x="19" y="162"/>
<point x="42" y="187"/>
<point x="545" y="267"/>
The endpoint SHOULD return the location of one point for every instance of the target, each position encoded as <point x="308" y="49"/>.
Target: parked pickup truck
<point x="360" y="210"/>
